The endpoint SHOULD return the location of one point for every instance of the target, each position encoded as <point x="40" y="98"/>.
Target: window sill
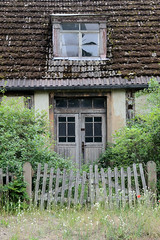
<point x="81" y="58"/>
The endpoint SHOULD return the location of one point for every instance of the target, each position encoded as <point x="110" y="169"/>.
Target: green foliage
<point x="139" y="141"/>
<point x="25" y="136"/>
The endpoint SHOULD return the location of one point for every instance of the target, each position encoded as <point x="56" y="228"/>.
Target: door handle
<point x="83" y="146"/>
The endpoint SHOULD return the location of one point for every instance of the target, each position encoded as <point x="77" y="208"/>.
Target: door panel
<point x="67" y="142"/>
<point x="93" y="137"/>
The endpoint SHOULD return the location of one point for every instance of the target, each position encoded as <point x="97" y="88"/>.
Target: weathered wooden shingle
<point x="133" y="41"/>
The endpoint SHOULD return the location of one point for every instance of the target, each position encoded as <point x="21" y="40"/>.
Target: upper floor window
<point x="79" y="40"/>
<point x="77" y="36"/>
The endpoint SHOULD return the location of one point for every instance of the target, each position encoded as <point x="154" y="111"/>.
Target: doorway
<point x="80" y="127"/>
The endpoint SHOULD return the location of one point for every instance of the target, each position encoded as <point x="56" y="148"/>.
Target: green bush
<point x="139" y="141"/>
<point x="25" y="137"/>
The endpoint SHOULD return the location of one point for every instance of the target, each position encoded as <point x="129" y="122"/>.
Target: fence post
<point x="27" y="173"/>
<point x="152" y="176"/>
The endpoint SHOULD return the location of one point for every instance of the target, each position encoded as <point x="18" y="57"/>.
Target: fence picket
<point x="129" y="186"/>
<point x="63" y="186"/>
<point x="142" y="177"/>
<point x="83" y="188"/>
<point x="104" y="186"/>
<point x="37" y="184"/>
<point x="91" y="188"/>
<point x="70" y="188"/>
<point x="96" y="183"/>
<point x="136" y="179"/>
<point x="76" y="188"/>
<point x="57" y="186"/>
<point x="123" y="187"/>
<point x="44" y="185"/>
<point x="7" y="176"/>
<point x="110" y="186"/>
<point x="50" y="194"/>
<point x="116" y="185"/>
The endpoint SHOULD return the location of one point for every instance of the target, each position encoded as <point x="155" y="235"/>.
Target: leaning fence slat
<point x="110" y="186"/>
<point x="70" y="188"/>
<point x="104" y="186"/>
<point x="97" y="183"/>
<point x="123" y="186"/>
<point x="91" y="187"/>
<point x="1" y="176"/>
<point x="116" y="185"/>
<point x="83" y="188"/>
<point x="136" y="179"/>
<point x="37" y="184"/>
<point x="129" y="186"/>
<point x="142" y="177"/>
<point x="76" y="188"/>
<point x="44" y="185"/>
<point x="57" y="186"/>
<point x="50" y="194"/>
<point x="63" y="186"/>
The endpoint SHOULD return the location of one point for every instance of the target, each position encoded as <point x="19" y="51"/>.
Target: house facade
<point x="81" y="62"/>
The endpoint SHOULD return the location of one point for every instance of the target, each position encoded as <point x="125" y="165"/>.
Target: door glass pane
<point x="89" y="129"/>
<point x="71" y="129"/>
<point x="98" y="139"/>
<point x="98" y="119"/>
<point x="62" y="119"/>
<point x="88" y="119"/>
<point x="62" y="129"/>
<point x="89" y="26"/>
<point x="86" y="102"/>
<point x="71" y="119"/>
<point x="88" y="139"/>
<point x="70" y="26"/>
<point x="97" y="129"/>
<point x="71" y="139"/>
<point x="62" y="139"/>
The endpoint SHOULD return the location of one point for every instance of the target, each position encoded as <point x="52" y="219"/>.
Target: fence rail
<point x="118" y="187"/>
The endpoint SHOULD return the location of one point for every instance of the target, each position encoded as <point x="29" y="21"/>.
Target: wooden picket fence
<point x="5" y="177"/>
<point x="113" y="187"/>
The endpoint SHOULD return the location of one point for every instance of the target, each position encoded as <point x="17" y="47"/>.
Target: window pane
<point x="97" y="139"/>
<point x="61" y="103"/>
<point x="71" y="119"/>
<point x="89" y="39"/>
<point x="88" y="139"/>
<point x="98" y="102"/>
<point x="70" y="39"/>
<point x="98" y="119"/>
<point x="70" y="51"/>
<point x="86" y="102"/>
<point x="62" y="119"/>
<point x="73" y="102"/>
<point x="71" y="139"/>
<point x="62" y="129"/>
<point x="89" y="26"/>
<point x="62" y="139"/>
<point x="97" y="129"/>
<point x="88" y="119"/>
<point x="89" y="50"/>
<point x="71" y="129"/>
<point x="70" y="26"/>
<point x="89" y="129"/>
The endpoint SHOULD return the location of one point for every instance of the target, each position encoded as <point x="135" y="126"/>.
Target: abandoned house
<point x="85" y="59"/>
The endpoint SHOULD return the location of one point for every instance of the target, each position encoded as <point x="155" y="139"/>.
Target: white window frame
<point x="79" y="32"/>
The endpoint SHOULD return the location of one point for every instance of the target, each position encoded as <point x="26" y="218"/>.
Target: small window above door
<point x="93" y="103"/>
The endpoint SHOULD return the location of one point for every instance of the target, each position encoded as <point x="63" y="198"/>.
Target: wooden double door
<point x="80" y="136"/>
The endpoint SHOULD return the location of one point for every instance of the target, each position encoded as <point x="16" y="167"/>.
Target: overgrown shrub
<point x="139" y="141"/>
<point x="25" y="137"/>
